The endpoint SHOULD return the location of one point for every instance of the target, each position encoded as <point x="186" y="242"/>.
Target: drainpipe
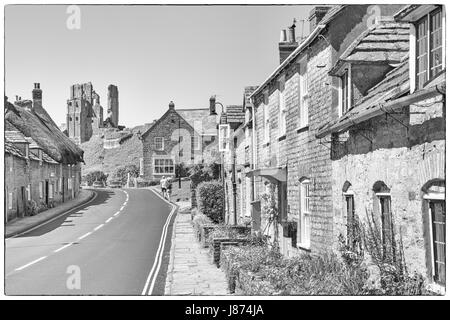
<point x="233" y="180"/>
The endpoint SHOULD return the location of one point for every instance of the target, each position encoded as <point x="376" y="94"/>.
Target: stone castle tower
<point x="113" y="105"/>
<point x="85" y="113"/>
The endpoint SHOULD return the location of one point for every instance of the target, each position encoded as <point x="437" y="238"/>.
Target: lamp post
<point x="212" y="111"/>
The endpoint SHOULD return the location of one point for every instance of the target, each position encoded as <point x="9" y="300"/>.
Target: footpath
<point x="191" y="271"/>
<point x="21" y="225"/>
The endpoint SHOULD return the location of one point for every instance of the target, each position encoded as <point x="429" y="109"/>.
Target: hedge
<point x="210" y="200"/>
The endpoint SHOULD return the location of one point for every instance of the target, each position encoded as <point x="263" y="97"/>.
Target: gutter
<point x="393" y="105"/>
<point x="291" y="57"/>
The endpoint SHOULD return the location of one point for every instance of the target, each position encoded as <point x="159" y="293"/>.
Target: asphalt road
<point x="107" y="247"/>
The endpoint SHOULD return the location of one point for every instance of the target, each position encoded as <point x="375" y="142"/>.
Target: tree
<point x="95" y="176"/>
<point x="121" y="173"/>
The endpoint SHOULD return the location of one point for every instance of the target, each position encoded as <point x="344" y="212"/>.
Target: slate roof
<point x="235" y="114"/>
<point x="394" y="85"/>
<point x="13" y="150"/>
<point x="37" y="124"/>
<point x="15" y="137"/>
<point x="385" y="42"/>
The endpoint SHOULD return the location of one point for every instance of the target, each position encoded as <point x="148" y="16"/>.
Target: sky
<point x="154" y="54"/>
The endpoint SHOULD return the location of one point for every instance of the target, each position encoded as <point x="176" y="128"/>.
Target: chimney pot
<point x="283" y="37"/>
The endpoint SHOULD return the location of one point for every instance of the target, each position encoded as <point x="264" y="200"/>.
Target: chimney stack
<point x="171" y="105"/>
<point x="37" y="96"/>
<point x="287" y="43"/>
<point x="212" y="106"/>
<point x="316" y="15"/>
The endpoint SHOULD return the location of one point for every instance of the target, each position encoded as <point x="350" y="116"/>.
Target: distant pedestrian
<point x="169" y="187"/>
<point x="163" y="183"/>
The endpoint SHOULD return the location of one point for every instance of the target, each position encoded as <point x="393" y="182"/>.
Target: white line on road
<point x="157" y="263"/>
<point x="54" y="218"/>
<point x="84" y="236"/>
<point x="115" y="214"/>
<point x="63" y="247"/>
<point x="31" y="263"/>
<point x="109" y="220"/>
<point x="98" y="227"/>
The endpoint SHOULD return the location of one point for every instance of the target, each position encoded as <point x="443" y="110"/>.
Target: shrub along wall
<point x="210" y="200"/>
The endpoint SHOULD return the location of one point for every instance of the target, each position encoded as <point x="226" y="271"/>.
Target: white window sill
<point x="302" y="127"/>
<point x="304" y="247"/>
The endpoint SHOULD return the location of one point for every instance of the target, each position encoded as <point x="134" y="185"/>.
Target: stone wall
<point x="405" y="160"/>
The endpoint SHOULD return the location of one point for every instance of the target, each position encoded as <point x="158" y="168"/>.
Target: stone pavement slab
<point x="190" y="270"/>
<point x="21" y="225"/>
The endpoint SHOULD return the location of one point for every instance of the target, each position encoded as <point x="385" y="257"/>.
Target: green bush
<point x="93" y="176"/>
<point x="299" y="275"/>
<point x="210" y="200"/>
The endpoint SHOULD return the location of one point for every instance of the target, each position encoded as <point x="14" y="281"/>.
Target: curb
<point x="56" y="215"/>
<point x="169" y="276"/>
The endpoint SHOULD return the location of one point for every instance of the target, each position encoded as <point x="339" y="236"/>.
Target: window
<point x="76" y="118"/>
<point x="50" y="191"/>
<point x="163" y="166"/>
<point x="159" y="143"/>
<point x="303" y="95"/>
<point x="429" y="58"/>
<point x="195" y="142"/>
<point x="69" y="183"/>
<point x="344" y="93"/>
<point x="266" y="123"/>
<point x="435" y="204"/>
<point x="29" y="192"/>
<point x="437" y="215"/>
<point x="304" y="101"/>
<point x="383" y="207"/>
<point x="305" y="215"/>
<point x="350" y="214"/>
<point x="224" y="137"/>
<point x="282" y="114"/>
<point x="41" y="189"/>
<point x="10" y="200"/>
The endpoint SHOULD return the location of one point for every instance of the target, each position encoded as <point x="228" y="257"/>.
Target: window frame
<point x="345" y="78"/>
<point x="427" y="18"/>
<point x="195" y="146"/>
<point x="266" y="115"/>
<point x="303" y="101"/>
<point x="282" y="113"/>
<point x="163" y="166"/>
<point x="304" y="221"/>
<point x="155" y="143"/>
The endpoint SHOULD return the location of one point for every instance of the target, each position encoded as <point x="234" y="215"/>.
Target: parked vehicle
<point x="115" y="184"/>
<point x="98" y="184"/>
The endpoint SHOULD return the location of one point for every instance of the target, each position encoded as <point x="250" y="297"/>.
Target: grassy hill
<point x="108" y="160"/>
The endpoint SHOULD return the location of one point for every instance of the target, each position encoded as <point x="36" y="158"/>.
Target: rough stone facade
<point x="30" y="179"/>
<point x="168" y="130"/>
<point x="299" y="150"/>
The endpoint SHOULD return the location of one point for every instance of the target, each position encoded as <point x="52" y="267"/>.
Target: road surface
<point x="116" y="244"/>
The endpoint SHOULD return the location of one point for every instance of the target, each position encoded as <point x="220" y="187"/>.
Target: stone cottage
<point x="388" y="138"/>
<point x="180" y="136"/>
<point x="42" y="165"/>
<point x="293" y="167"/>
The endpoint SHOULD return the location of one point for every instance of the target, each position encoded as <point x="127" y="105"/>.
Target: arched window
<point x="349" y="199"/>
<point x="304" y="234"/>
<point x="382" y="207"/>
<point x="434" y="197"/>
